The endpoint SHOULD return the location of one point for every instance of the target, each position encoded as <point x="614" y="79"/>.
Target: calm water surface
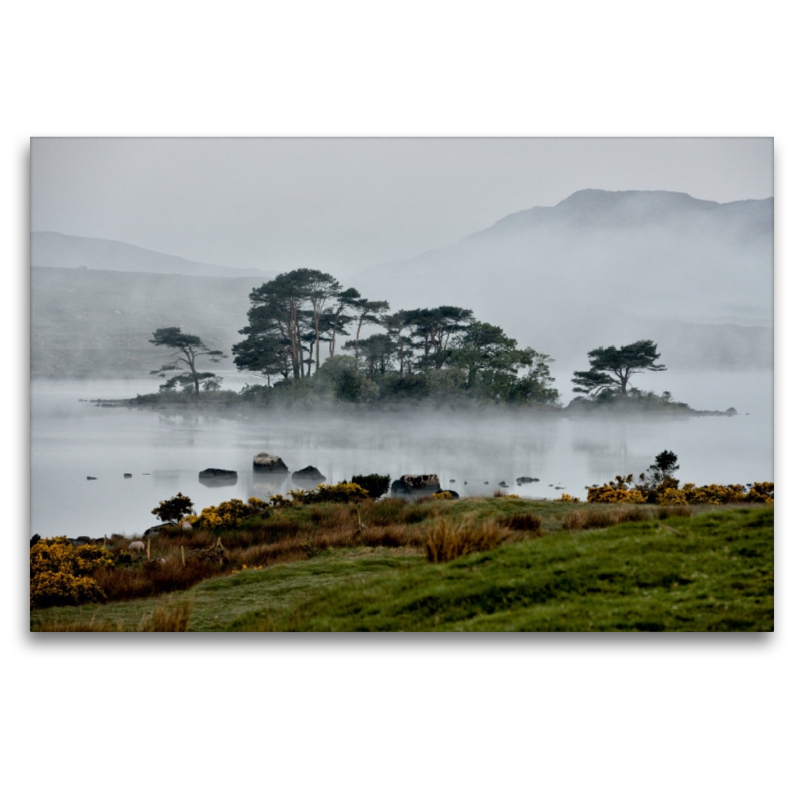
<point x="71" y="440"/>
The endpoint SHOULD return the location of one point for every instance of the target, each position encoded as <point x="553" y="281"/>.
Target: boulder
<point x="526" y="479"/>
<point x="127" y="475"/>
<point x="409" y="485"/>
<point x="503" y="484"/>
<point x="308" y="475"/>
<point x="264" y="462"/>
<point x="218" y="477"/>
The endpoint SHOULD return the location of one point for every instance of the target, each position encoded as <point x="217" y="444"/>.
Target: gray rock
<point x="218" y="477"/>
<point x="308" y="475"/>
<point x="409" y="485"/>
<point x="526" y="479"/>
<point x="264" y="462"/>
<point x="127" y="475"/>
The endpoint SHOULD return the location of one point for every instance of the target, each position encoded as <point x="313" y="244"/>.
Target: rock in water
<point x="410" y="485"/>
<point x="525" y="479"/>
<point x="127" y="475"/>
<point x="264" y="462"/>
<point x="218" y="477"/>
<point x="308" y="475"/>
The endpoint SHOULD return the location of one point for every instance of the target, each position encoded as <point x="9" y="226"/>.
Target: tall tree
<point x="611" y="368"/>
<point x="395" y="324"/>
<point x="367" y="311"/>
<point x="186" y="349"/>
<point x="321" y="288"/>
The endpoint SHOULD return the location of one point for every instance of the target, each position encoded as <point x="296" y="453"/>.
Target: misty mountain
<point x="50" y="249"/>
<point x="91" y="323"/>
<point x="604" y="268"/>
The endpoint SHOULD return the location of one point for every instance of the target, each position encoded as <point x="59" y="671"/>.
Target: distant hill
<point x="603" y="268"/>
<point x="94" y="323"/>
<point x="49" y="249"/>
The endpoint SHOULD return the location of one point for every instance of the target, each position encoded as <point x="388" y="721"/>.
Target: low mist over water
<point x="164" y="452"/>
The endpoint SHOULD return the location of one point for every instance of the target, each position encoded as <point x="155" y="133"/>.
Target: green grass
<point x="709" y="572"/>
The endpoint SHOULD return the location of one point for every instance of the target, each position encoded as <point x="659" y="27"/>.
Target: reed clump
<point x="446" y="540"/>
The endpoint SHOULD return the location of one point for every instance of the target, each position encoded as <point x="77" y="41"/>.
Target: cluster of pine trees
<point x="297" y="320"/>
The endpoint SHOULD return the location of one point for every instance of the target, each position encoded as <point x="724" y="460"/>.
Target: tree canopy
<point x="419" y="352"/>
<point x="611" y="368"/>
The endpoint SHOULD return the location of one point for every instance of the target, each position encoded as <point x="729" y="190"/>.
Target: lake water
<point x="164" y="452"/>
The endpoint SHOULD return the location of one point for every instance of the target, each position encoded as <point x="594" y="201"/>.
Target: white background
<point x="297" y="716"/>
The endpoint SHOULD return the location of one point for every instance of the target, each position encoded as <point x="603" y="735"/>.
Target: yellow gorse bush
<point x="60" y="573"/>
<point x="620" y="490"/>
<point x="565" y="498"/>
<point x="669" y="493"/>
<point x="229" y="514"/>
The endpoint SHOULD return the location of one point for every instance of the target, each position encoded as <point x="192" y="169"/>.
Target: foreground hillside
<point x="709" y="572"/>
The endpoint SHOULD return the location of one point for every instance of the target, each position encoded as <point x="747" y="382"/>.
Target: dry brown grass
<point x="531" y="523"/>
<point x="446" y="541"/>
<point x="148" y="579"/>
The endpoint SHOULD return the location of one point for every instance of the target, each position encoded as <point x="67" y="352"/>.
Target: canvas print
<point x="401" y="384"/>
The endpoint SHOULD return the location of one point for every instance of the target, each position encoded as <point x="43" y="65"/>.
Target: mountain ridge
<point x="73" y="252"/>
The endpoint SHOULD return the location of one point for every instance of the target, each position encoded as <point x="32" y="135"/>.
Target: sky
<point x="345" y="204"/>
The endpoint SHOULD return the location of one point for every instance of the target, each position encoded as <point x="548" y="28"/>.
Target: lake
<point x="164" y="452"/>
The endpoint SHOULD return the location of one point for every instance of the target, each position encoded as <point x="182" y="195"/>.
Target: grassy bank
<point x="712" y="571"/>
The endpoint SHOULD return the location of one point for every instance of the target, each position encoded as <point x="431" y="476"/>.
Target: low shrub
<point x="523" y="522"/>
<point x="174" y="509"/>
<point x="340" y="493"/>
<point x="61" y="573"/>
<point x="230" y="513"/>
<point x="566" y="498"/>
<point x="62" y="589"/>
<point x="620" y="490"/>
<point x="375" y="485"/>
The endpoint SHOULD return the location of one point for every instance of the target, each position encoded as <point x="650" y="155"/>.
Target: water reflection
<point x="471" y="453"/>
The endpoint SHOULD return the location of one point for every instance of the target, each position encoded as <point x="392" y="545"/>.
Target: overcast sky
<point x="346" y="204"/>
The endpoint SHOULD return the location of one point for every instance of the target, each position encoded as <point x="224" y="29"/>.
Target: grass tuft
<point x="446" y="540"/>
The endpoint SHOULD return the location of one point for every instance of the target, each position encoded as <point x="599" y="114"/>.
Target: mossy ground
<point x="709" y="572"/>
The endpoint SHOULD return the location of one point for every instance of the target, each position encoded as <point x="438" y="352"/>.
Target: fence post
<point x="148" y="548"/>
<point x="183" y="557"/>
